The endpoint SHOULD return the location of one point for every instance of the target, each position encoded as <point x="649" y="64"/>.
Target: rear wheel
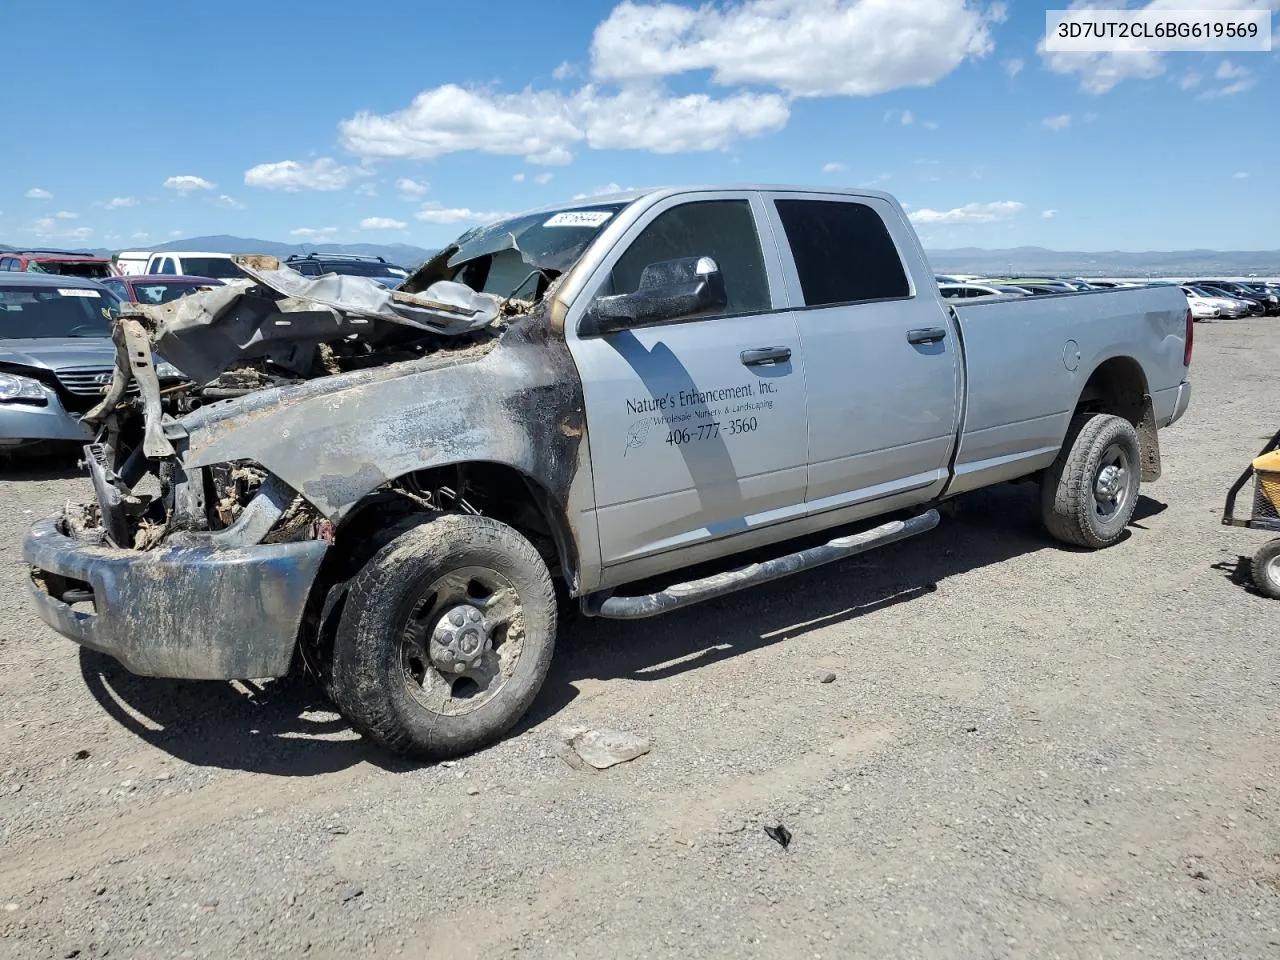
<point x="1266" y="569"/>
<point x="1089" y="493"/>
<point x="445" y="638"/>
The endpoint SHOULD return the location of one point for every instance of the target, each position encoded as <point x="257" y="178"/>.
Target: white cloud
<point x="804" y="47"/>
<point x="115" y="203"/>
<point x="907" y="118"/>
<point x="834" y="167"/>
<point x="518" y="177"/>
<point x="1241" y="78"/>
<point x="1229" y="71"/>
<point x="542" y="126"/>
<point x="1190" y="80"/>
<point x="186" y="183"/>
<point x="638" y="120"/>
<point x="52" y="228"/>
<point x="367" y="189"/>
<point x="543" y="178"/>
<point x="229" y="202"/>
<point x="877" y="180"/>
<point x="1240" y="176"/>
<point x="38" y="193"/>
<point x="799" y="48"/>
<point x="434" y="213"/>
<point x="969" y="213"/>
<point x="1230" y="90"/>
<point x="176" y="233"/>
<point x="1089" y="116"/>
<point x="1060" y="122"/>
<point x="139" y="235"/>
<point x="313" y="232"/>
<point x="1013" y="66"/>
<point x="451" y="119"/>
<point x="67" y="215"/>
<point x="1048" y="214"/>
<point x="600" y="191"/>
<point x="411" y="188"/>
<point x="381" y="223"/>
<point x="322" y="173"/>
<point x="1099" y="72"/>
<point x="930" y="125"/>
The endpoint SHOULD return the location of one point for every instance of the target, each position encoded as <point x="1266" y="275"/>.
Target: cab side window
<point x="724" y="230"/>
<point x="843" y="252"/>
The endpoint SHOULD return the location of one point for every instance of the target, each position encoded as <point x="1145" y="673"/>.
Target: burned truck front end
<point x="216" y="500"/>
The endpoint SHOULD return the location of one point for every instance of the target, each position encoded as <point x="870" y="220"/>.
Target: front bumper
<point x="200" y="613"/>
<point x="25" y="421"/>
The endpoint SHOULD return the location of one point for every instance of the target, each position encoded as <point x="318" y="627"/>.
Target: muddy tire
<point x="445" y="638"/>
<point x="1266" y="569"/>
<point x="1089" y="493"/>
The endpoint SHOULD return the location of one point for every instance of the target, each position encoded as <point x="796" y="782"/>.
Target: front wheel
<point x="1266" y="569"/>
<point x="1088" y="494"/>
<point x="445" y="638"/>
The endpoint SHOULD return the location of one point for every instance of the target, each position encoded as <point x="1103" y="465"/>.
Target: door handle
<point x="926" y="335"/>
<point x="765" y="355"/>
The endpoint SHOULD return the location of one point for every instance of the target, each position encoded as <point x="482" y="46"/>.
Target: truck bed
<point x="1028" y="359"/>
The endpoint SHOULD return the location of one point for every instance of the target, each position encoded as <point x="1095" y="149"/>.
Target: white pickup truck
<point x="384" y="485"/>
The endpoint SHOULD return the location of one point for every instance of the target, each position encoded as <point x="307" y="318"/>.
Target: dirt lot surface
<point x="1026" y="751"/>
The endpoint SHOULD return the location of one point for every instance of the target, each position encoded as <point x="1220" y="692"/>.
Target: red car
<point x="156" y="288"/>
<point x="59" y="262"/>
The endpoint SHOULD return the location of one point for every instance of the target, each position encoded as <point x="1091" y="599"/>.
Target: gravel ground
<point x="1027" y="751"/>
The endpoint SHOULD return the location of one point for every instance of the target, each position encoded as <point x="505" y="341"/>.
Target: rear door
<point x="696" y="427"/>
<point x="881" y="357"/>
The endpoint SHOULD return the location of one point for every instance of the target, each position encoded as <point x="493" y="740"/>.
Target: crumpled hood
<point x="58" y="353"/>
<point x="208" y="332"/>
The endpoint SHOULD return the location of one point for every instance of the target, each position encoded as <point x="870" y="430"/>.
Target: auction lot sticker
<point x="1156" y="31"/>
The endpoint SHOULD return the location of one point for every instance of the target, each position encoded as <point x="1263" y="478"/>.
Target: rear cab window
<point x="843" y="251"/>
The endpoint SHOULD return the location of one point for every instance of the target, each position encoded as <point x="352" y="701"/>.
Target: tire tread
<point x="358" y="685"/>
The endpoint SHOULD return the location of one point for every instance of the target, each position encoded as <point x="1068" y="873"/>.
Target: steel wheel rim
<point x="1111" y="482"/>
<point x="1273" y="569"/>
<point x="461" y="640"/>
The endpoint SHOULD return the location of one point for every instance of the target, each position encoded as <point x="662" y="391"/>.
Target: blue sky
<point x="400" y="121"/>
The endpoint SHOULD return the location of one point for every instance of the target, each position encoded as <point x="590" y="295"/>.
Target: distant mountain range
<point x="1033" y="261"/>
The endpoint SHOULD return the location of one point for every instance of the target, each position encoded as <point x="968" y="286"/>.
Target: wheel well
<point x="489" y="489"/>
<point x="1119" y="387"/>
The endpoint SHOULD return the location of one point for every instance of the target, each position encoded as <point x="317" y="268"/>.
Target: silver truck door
<point x="882" y="358"/>
<point x="697" y="426"/>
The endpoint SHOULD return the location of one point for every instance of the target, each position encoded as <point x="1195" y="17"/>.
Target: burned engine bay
<point x="269" y="333"/>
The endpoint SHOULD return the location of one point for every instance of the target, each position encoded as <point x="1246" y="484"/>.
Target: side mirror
<point x="670" y="290"/>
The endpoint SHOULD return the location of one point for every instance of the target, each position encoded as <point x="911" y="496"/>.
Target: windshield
<point x="44" y="312"/>
<point x="162" y="292"/>
<point x="504" y="258"/>
<point x="362" y="268"/>
<point x="93" y="269"/>
<point x="219" y="267"/>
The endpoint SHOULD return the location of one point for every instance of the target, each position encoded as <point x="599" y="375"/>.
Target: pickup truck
<point x="385" y="487"/>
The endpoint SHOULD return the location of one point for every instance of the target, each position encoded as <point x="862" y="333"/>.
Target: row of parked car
<point x="162" y="269"/>
<point x="1208" y="299"/>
